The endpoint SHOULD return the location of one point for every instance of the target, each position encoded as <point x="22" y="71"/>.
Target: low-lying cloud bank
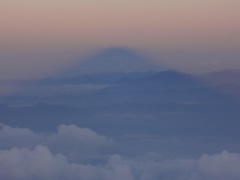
<point x="65" y="155"/>
<point x="40" y="163"/>
<point x="77" y="144"/>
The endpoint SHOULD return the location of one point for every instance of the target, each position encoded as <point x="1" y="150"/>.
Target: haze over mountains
<point x="119" y="103"/>
<point x="158" y="101"/>
<point x="113" y="60"/>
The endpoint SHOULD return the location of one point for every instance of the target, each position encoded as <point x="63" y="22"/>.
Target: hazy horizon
<point x="194" y="36"/>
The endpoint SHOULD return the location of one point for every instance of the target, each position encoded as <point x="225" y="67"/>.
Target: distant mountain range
<point x="227" y="81"/>
<point x="119" y="92"/>
<point x="165" y="103"/>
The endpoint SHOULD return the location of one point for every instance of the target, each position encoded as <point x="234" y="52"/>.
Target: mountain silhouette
<point x="113" y="60"/>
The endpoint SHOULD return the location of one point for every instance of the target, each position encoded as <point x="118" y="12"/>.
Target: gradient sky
<point x="200" y="35"/>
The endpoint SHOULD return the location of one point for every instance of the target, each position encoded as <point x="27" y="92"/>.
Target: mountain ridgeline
<point x="166" y="103"/>
<point x="122" y="93"/>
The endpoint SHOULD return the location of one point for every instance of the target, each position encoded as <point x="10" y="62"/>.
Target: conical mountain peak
<point x="115" y="60"/>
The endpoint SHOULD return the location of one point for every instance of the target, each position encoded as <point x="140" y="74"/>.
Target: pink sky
<point x="30" y="26"/>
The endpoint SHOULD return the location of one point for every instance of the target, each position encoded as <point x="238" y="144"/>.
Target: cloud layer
<point x="69" y="154"/>
<point x="40" y="163"/>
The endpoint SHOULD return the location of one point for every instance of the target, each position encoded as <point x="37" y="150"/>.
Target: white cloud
<point x="27" y="155"/>
<point x="41" y="164"/>
<point x="119" y="169"/>
<point x="222" y="166"/>
<point x="77" y="143"/>
<point x="18" y="137"/>
<point x="216" y="167"/>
